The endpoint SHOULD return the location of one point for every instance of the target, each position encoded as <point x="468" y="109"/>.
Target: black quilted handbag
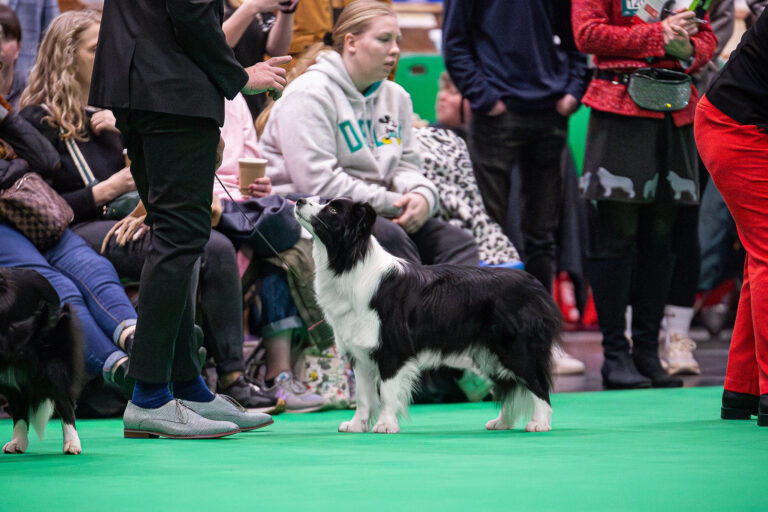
<point x="36" y="210"/>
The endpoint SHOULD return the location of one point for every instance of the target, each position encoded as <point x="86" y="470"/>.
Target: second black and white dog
<point x="41" y="358"/>
<point x="394" y="320"/>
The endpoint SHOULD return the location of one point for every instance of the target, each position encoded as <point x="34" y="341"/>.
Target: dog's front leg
<point x="66" y="409"/>
<point x="71" y="439"/>
<point x="365" y="397"/>
<point x="391" y="401"/>
<point x="19" y="439"/>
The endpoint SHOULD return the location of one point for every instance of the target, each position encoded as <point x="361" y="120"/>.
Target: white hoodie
<point x="327" y="139"/>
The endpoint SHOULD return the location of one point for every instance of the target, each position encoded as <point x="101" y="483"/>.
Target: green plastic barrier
<point x="418" y="73"/>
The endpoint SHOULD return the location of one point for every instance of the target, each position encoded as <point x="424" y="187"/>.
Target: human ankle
<point x="228" y="379"/>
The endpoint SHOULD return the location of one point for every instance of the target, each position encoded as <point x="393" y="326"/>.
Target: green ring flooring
<point x="631" y="450"/>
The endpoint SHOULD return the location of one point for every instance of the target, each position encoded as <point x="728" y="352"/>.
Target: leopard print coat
<point x="445" y="161"/>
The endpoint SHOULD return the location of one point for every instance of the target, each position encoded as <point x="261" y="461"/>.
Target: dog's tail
<point x="38" y="417"/>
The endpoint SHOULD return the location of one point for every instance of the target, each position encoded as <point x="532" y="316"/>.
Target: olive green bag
<point x="660" y="90"/>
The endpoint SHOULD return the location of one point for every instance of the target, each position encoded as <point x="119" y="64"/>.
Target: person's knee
<point x="395" y="240"/>
<point x="219" y="252"/>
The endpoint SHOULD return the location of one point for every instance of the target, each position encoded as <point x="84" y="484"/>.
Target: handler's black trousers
<point x="173" y="161"/>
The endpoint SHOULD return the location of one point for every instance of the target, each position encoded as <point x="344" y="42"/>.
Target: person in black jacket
<point x="164" y="69"/>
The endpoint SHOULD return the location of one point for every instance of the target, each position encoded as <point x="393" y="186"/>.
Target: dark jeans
<point x="436" y="242"/>
<point x="534" y="143"/>
<point x="219" y="287"/>
<point x="718" y="235"/>
<point x="173" y="160"/>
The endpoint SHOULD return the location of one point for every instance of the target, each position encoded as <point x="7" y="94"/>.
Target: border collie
<point x="394" y="319"/>
<point x="41" y="357"/>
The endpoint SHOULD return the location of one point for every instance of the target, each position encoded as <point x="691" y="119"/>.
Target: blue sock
<point x="193" y="390"/>
<point x="151" y="395"/>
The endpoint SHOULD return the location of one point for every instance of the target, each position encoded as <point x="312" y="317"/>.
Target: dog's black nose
<point x="301" y="202"/>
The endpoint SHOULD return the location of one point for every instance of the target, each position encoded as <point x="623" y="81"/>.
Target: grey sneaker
<point x="225" y="408"/>
<point x="175" y="420"/>
<point x="297" y="397"/>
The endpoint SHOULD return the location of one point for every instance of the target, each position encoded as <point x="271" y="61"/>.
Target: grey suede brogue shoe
<point x="175" y="420"/>
<point x="225" y="408"/>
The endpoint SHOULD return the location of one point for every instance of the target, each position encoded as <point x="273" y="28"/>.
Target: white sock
<point x="678" y="319"/>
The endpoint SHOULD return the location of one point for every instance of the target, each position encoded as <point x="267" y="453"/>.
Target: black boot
<point x="739" y="406"/>
<point x="619" y="371"/>
<point x="762" y="411"/>
<point x="648" y="364"/>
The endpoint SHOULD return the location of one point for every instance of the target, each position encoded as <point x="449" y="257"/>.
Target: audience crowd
<point x="442" y="192"/>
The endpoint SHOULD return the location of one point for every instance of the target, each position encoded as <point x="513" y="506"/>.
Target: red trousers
<point x="736" y="157"/>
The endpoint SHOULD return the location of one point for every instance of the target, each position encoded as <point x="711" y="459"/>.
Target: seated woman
<point x="55" y="103"/>
<point x="279" y="321"/>
<point x="79" y="275"/>
<point x="341" y="129"/>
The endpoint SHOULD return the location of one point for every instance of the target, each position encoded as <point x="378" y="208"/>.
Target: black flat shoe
<point x="619" y="372"/>
<point x="762" y="411"/>
<point x="738" y="406"/>
<point x="650" y="366"/>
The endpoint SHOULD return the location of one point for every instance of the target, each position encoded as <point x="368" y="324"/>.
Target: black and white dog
<point x="41" y="357"/>
<point x="394" y="320"/>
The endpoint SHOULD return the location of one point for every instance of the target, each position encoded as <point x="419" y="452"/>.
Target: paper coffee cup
<point x="250" y="169"/>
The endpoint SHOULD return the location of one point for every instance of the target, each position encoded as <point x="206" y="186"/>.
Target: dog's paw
<point x="72" y="447"/>
<point x="15" y="446"/>
<point x="353" y="426"/>
<point x="498" y="424"/>
<point x="538" y="426"/>
<point x="385" y="427"/>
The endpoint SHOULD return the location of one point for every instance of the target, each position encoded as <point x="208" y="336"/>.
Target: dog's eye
<point x="332" y="210"/>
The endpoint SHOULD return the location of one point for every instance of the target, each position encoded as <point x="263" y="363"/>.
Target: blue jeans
<point x="81" y="278"/>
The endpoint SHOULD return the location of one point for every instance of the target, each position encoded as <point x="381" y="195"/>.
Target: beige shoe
<point x="677" y="355"/>
<point x="565" y="364"/>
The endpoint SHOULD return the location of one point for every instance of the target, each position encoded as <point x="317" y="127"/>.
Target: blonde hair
<point x="354" y="19"/>
<point x="52" y="82"/>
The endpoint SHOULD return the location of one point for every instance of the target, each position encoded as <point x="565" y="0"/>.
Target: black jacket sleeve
<point x="30" y="144"/>
<point x="197" y="26"/>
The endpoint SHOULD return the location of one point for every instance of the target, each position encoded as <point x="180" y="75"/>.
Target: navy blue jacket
<point x="518" y="51"/>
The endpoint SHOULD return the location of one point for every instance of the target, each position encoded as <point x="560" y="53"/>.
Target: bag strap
<point x="80" y="162"/>
<point x="77" y="157"/>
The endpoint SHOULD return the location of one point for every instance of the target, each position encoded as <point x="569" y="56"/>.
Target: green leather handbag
<point x="660" y="90"/>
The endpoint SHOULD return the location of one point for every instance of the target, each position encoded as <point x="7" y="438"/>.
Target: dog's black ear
<point x="366" y="215"/>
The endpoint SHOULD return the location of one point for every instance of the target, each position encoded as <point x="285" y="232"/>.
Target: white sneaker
<point x="565" y="364"/>
<point x="677" y="355"/>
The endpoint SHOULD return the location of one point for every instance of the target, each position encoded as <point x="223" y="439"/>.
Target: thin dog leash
<point x="254" y="228"/>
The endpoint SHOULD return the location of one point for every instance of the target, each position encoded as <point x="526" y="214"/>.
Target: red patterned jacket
<point x="625" y="43"/>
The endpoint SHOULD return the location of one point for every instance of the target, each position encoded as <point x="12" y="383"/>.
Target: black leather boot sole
<point x="738" y="406"/>
<point x="762" y="411"/>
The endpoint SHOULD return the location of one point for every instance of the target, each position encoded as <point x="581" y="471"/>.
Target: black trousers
<point x="436" y="242"/>
<point x="534" y="144"/>
<point x="173" y="160"/>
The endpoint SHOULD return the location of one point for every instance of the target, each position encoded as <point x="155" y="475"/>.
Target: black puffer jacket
<point x="35" y="152"/>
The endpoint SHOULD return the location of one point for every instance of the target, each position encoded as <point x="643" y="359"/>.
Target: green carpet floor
<point x="634" y="450"/>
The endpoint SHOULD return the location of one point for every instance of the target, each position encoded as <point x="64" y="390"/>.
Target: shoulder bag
<point x="36" y="210"/>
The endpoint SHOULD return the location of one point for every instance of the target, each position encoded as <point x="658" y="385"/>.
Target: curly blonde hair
<point x="52" y="82"/>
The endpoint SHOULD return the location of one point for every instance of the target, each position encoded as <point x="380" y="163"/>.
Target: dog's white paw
<point x="72" y="447"/>
<point x="497" y="424"/>
<point x="386" y="427"/>
<point x="16" y="446"/>
<point x="353" y="426"/>
<point x="538" y="426"/>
